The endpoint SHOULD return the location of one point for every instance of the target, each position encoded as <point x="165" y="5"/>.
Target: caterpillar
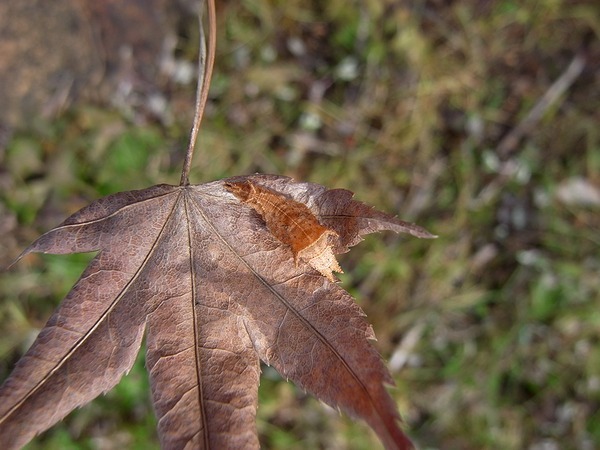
<point x="292" y="223"/>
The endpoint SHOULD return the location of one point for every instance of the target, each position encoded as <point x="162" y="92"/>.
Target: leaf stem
<point x="205" y="68"/>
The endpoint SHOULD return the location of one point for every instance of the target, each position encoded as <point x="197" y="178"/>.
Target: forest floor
<point x="479" y="120"/>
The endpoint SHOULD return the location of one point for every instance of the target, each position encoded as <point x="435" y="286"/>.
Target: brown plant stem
<point x="205" y="68"/>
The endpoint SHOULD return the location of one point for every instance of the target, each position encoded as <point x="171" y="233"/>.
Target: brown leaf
<point x="215" y="289"/>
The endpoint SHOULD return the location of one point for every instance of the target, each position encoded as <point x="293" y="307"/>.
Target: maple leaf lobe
<point x="292" y="223"/>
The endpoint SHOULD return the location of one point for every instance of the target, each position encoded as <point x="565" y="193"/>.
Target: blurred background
<point x="477" y="119"/>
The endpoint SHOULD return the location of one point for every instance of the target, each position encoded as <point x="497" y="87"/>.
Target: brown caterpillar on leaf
<point x="292" y="223"/>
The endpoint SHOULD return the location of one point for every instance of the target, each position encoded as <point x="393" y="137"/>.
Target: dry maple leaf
<point x="217" y="277"/>
<point x="214" y="290"/>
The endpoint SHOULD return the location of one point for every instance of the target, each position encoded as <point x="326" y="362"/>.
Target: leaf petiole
<point x="205" y="68"/>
